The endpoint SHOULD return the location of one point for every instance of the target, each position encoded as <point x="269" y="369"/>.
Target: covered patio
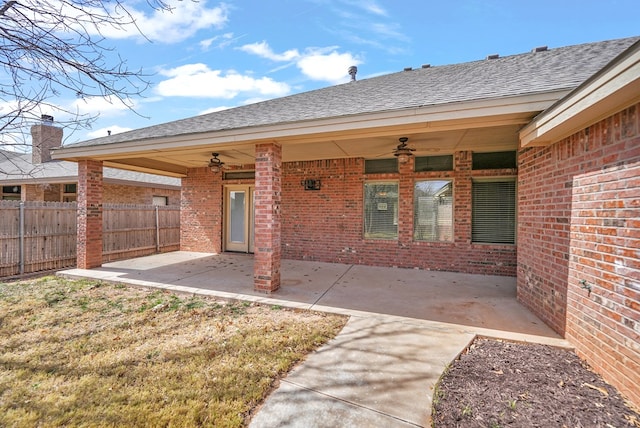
<point x="405" y="326"/>
<point x="484" y="304"/>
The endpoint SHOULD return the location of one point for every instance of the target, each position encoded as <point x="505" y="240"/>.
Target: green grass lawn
<point x="82" y="353"/>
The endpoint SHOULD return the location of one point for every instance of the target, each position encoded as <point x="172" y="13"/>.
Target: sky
<point x="208" y="55"/>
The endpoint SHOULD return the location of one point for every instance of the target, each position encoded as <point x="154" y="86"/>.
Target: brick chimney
<point x="44" y="137"/>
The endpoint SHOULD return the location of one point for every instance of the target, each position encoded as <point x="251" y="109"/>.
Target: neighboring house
<point x="36" y="177"/>
<point x="527" y="165"/>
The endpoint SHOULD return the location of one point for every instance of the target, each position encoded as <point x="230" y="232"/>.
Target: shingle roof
<point x="17" y="167"/>
<point x="530" y="73"/>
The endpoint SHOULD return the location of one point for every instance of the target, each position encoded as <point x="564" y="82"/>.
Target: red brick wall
<point x="545" y="183"/>
<point x="603" y="319"/>
<point x="326" y="225"/>
<point x="578" y="219"/>
<point x="201" y="211"/>
<point x="544" y="207"/>
<point x="121" y="194"/>
<point x="112" y="194"/>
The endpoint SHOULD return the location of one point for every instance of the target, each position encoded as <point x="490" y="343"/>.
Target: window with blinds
<point x="433" y="210"/>
<point x="494" y="211"/>
<point x="381" y="210"/>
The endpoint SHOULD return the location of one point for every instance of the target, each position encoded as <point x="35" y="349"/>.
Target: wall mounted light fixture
<point x="311" y="184"/>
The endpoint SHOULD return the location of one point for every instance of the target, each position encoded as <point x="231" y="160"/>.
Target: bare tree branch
<point x="50" y="48"/>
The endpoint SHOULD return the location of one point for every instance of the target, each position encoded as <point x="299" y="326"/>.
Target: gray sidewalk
<point x="405" y="326"/>
<point x="378" y="372"/>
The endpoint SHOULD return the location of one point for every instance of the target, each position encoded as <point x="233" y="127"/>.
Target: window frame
<point x="493" y="160"/>
<point x="157" y="198"/>
<point x="500" y="209"/>
<point x="365" y="212"/>
<point x="11" y="195"/>
<point x="381" y="166"/>
<point x="69" y="196"/>
<point x="436" y="165"/>
<point x="437" y="232"/>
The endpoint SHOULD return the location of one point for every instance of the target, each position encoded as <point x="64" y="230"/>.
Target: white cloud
<point x="217" y="41"/>
<point x="213" y="110"/>
<point x="263" y="50"/>
<point x="370" y="6"/>
<point x="170" y="26"/>
<point x="253" y="100"/>
<point x="327" y="66"/>
<point x="324" y="64"/>
<point x="103" y="132"/>
<point x="198" y="80"/>
<point x="104" y="106"/>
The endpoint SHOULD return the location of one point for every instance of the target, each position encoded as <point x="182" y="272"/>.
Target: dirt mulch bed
<point x="505" y="384"/>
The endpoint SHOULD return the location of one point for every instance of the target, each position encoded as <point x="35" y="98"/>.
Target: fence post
<point x="21" y="235"/>
<point x="157" y="230"/>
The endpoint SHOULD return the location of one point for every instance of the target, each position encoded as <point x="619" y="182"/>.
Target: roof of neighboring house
<point x="531" y="73"/>
<point x="18" y="168"/>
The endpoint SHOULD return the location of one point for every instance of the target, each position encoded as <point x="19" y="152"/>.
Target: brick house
<point x="526" y="166"/>
<point x="36" y="177"/>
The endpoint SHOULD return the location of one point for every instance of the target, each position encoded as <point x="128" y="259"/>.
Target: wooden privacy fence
<point x="137" y="230"/>
<point x="40" y="236"/>
<point x="36" y="236"/>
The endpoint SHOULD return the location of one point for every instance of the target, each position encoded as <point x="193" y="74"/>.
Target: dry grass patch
<point x="92" y="354"/>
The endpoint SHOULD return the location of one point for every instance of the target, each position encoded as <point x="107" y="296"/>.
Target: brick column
<point x="405" y="203"/>
<point x="462" y="197"/>
<point x="266" y="270"/>
<point x="89" y="254"/>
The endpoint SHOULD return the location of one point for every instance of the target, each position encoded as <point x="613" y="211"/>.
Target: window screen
<point x="433" y="211"/>
<point x="239" y="175"/>
<point x="494" y="212"/>
<point x="494" y="160"/>
<point x="381" y="210"/>
<point x="379" y="166"/>
<point x="434" y="163"/>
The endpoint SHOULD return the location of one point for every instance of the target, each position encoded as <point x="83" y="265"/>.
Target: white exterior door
<point x="239" y="209"/>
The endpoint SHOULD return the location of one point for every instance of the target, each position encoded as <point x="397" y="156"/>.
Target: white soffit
<point x="614" y="88"/>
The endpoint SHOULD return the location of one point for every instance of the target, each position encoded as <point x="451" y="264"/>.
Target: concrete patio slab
<point x="405" y="326"/>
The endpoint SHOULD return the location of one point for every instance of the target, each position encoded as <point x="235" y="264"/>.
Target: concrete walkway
<point x="405" y="327"/>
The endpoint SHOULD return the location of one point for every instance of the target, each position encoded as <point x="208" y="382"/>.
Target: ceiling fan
<point x="215" y="163"/>
<point x="402" y="151"/>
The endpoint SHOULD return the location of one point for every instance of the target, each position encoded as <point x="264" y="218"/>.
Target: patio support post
<point x="90" y="176"/>
<point x="405" y="209"/>
<point x="267" y="251"/>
